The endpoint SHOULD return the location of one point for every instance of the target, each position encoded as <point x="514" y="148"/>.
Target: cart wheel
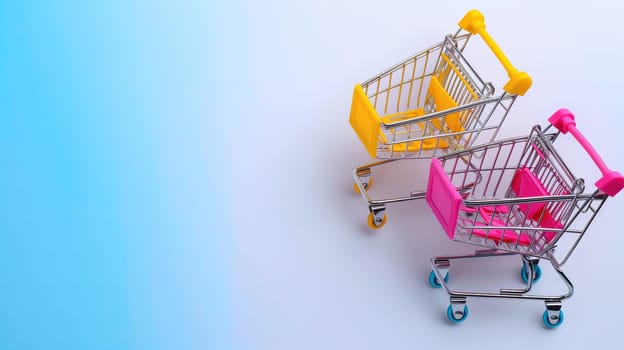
<point x="366" y="186"/>
<point x="372" y="224"/>
<point x="549" y="323"/>
<point x="433" y="280"/>
<point x="524" y="273"/>
<point x="451" y="316"/>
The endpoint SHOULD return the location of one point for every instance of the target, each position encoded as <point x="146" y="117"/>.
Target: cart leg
<point x="553" y="316"/>
<point x="531" y="271"/>
<point x="457" y="311"/>
<point x="364" y="177"/>
<point x="377" y="217"/>
<point x="439" y="273"/>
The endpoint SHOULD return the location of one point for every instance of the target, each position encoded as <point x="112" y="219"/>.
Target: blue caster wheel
<point x="550" y="323"/>
<point x="455" y="318"/>
<point x="524" y="273"/>
<point x="433" y="280"/>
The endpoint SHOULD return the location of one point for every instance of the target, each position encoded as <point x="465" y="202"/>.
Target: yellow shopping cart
<point x="431" y="104"/>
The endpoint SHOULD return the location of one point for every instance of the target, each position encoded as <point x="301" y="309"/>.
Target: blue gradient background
<point x="111" y="200"/>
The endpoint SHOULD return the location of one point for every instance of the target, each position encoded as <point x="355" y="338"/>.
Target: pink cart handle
<point x="611" y="181"/>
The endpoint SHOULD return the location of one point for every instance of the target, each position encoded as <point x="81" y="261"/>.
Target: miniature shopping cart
<point x="516" y="196"/>
<point x="430" y="104"/>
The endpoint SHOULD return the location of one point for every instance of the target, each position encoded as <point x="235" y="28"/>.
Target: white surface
<point x="307" y="273"/>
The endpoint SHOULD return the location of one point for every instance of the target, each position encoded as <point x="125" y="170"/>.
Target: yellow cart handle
<point x="519" y="82"/>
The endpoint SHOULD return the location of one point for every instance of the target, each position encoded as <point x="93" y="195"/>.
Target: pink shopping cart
<point x="516" y="196"/>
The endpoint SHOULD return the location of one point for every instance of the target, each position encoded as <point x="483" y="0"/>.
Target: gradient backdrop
<point x="177" y="175"/>
<point x="111" y="205"/>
